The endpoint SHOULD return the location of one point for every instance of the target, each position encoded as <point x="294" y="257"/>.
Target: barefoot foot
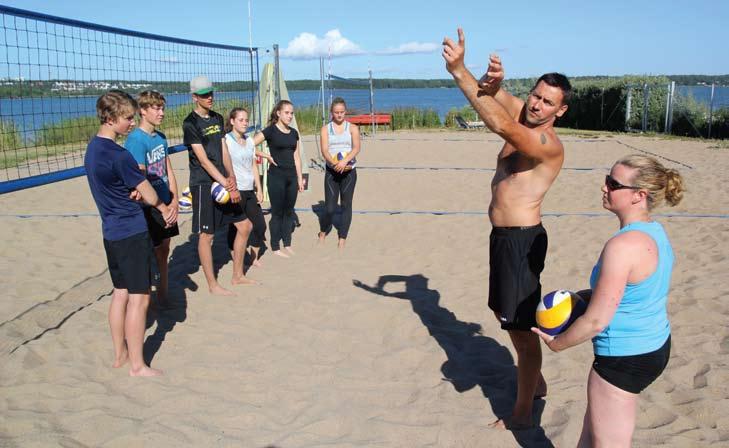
<point x="289" y="250"/>
<point x="243" y="281"/>
<point x="342" y="242"/>
<point x="322" y="236"/>
<point x="145" y="371"/>
<point x="281" y="253"/>
<point x="121" y="360"/>
<point x="218" y="290"/>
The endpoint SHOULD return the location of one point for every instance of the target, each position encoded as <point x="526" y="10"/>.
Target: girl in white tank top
<point x="243" y="153"/>
<point x="340" y="143"/>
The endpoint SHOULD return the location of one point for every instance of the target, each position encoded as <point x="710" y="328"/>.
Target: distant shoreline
<point x="21" y="88"/>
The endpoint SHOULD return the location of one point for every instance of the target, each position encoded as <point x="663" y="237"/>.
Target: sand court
<point x="389" y="343"/>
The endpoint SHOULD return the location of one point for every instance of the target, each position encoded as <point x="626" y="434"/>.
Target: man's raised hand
<point x="491" y="81"/>
<point x="454" y="53"/>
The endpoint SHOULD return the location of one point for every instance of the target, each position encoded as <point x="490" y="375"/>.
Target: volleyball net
<point x="53" y="69"/>
<point x="357" y="93"/>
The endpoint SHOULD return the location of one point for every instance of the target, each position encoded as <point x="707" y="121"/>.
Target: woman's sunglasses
<point x="613" y="184"/>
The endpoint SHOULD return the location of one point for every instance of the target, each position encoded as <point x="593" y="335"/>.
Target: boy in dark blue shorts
<point x="114" y="178"/>
<point x="149" y="148"/>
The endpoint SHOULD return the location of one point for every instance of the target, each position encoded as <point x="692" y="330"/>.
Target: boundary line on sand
<point x="654" y="154"/>
<point x="584" y="140"/>
<point x="437" y="168"/>
<point x="479" y="140"/>
<point x="456" y="168"/>
<point x="398" y="212"/>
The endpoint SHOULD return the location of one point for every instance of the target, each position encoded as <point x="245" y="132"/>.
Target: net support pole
<point x="276" y="80"/>
<point x="323" y="97"/>
<point x="646" y="97"/>
<point x="711" y="109"/>
<point x="258" y="89"/>
<point x="329" y="76"/>
<point x="628" y="106"/>
<point x="254" y="106"/>
<point x="372" y="105"/>
<point x="668" y="108"/>
<point x="671" y="92"/>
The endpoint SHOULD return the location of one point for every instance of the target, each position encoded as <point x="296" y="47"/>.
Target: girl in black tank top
<point x="285" y="180"/>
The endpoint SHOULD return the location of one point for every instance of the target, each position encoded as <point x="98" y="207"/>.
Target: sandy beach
<point x="389" y="343"/>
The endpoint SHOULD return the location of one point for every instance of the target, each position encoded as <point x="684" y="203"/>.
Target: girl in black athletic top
<point x="284" y="175"/>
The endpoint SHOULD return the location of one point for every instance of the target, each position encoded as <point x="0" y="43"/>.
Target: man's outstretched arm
<point x="494" y="115"/>
<point x="532" y="142"/>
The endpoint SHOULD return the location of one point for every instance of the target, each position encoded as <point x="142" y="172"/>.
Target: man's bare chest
<point x="511" y="162"/>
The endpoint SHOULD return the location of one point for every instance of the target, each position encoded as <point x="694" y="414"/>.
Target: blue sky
<point x="401" y="39"/>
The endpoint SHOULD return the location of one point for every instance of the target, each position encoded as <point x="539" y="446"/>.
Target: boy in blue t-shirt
<point x="114" y="179"/>
<point x="149" y="148"/>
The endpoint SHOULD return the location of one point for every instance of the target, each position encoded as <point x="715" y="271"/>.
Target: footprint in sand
<point x="724" y="346"/>
<point x="684" y="397"/>
<point x="656" y="417"/>
<point x="700" y="377"/>
<point x="558" y="419"/>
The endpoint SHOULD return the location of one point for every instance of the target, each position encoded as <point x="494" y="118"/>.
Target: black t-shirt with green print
<point x="209" y="133"/>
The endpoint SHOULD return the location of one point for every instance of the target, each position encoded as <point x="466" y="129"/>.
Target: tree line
<point x="61" y="87"/>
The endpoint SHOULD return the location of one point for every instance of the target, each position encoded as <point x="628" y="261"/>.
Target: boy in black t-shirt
<point x="209" y="162"/>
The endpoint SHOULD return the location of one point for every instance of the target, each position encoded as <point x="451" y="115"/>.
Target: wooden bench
<point x="368" y="120"/>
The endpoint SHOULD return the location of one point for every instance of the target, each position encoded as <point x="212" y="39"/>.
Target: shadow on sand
<point x="183" y="262"/>
<point x="472" y="358"/>
<point x="319" y="210"/>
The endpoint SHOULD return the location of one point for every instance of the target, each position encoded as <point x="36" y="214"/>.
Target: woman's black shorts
<point x="633" y="373"/>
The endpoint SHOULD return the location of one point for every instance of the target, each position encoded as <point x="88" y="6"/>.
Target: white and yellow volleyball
<point x="219" y="193"/>
<point x="558" y="309"/>
<point x="338" y="157"/>
<point x="185" y="202"/>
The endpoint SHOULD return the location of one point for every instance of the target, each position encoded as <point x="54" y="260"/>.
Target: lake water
<point x="31" y="114"/>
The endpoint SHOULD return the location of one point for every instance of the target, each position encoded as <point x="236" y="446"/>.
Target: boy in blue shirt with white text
<point x="149" y="148"/>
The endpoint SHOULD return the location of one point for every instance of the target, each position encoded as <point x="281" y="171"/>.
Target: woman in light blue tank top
<point x="626" y="316"/>
<point x="340" y="144"/>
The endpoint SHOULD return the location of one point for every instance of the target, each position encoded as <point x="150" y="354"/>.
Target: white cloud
<point x="411" y="48"/>
<point x="310" y="46"/>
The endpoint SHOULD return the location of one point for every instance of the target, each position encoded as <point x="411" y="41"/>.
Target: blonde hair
<point x="662" y="184"/>
<point x="150" y="98"/>
<point x="114" y="104"/>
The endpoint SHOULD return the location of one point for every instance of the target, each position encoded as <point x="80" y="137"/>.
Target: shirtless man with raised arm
<point x="526" y="167"/>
